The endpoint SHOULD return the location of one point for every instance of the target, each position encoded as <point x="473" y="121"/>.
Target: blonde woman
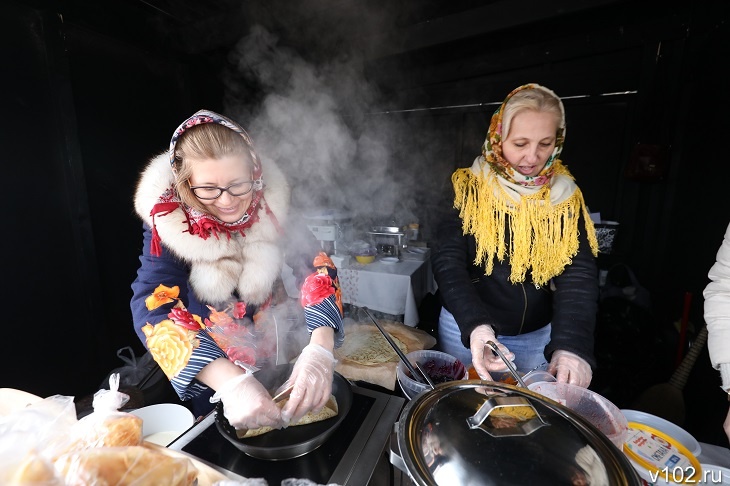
<point x="213" y="219"/>
<point x="516" y="261"/>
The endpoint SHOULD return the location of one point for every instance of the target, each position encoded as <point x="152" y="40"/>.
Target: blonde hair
<point x="205" y="141"/>
<point x="531" y="100"/>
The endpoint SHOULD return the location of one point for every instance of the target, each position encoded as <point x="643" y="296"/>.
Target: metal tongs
<point x="507" y="362"/>
<point x="417" y="375"/>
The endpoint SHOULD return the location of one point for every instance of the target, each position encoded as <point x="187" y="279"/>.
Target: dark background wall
<point x="94" y="90"/>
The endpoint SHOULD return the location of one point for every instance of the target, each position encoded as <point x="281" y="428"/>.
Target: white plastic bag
<point x="107" y="425"/>
<point x="33" y="437"/>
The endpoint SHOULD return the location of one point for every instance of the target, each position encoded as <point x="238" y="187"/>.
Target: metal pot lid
<point x="518" y="437"/>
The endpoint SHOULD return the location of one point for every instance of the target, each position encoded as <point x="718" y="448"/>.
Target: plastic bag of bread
<point x="125" y="466"/>
<point x="107" y="426"/>
<point x="31" y="438"/>
<point x="32" y="469"/>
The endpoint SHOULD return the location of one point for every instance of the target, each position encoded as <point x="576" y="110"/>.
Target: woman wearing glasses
<point x="213" y="219"/>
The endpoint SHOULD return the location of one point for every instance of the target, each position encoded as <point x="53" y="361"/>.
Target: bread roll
<point x="117" y="429"/>
<point x="125" y="466"/>
<point x="123" y="430"/>
<point x="34" y="469"/>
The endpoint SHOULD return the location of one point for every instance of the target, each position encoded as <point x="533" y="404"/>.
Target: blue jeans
<point x="529" y="348"/>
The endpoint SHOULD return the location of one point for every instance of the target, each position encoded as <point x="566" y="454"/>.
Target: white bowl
<point x="672" y="430"/>
<point x="164" y="422"/>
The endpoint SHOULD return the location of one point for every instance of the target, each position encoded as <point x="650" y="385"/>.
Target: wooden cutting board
<point x="359" y="335"/>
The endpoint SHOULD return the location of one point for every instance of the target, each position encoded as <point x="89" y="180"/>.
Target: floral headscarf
<point x="204" y="116"/>
<point x="492" y="148"/>
<point x="531" y="220"/>
<point x="201" y="223"/>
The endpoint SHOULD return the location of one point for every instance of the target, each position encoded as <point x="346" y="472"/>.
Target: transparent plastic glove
<point x="570" y="368"/>
<point x="483" y="358"/>
<point x="312" y="380"/>
<point x="247" y="404"/>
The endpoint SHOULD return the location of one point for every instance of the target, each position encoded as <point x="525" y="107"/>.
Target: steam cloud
<point x="326" y="126"/>
<point x="316" y="122"/>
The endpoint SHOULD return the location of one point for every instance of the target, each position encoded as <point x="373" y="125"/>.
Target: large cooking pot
<point x="485" y="433"/>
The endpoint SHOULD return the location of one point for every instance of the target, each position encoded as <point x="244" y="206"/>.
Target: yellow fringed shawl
<point x="544" y="233"/>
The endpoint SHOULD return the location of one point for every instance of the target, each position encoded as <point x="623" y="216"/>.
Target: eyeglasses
<point x="212" y="192"/>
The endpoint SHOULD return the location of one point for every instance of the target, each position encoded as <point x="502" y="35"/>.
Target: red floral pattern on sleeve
<point x="322" y="283"/>
<point x="316" y="288"/>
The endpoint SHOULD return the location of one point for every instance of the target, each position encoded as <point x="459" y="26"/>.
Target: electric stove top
<point x="348" y="457"/>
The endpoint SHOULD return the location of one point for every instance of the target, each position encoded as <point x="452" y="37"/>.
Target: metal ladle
<point x="416" y="374"/>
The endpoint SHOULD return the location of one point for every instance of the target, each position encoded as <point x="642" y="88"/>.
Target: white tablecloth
<point x="392" y="288"/>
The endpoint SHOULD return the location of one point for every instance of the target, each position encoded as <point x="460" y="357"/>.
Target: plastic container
<point x="440" y="366"/>
<point x="364" y="253"/>
<point x="666" y="427"/>
<point x="599" y="411"/>
<point x="659" y="458"/>
<point x="537" y="376"/>
<point x="505" y="376"/>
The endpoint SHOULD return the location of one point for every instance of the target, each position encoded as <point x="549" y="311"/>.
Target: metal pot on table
<point x="485" y="433"/>
<point x="389" y="240"/>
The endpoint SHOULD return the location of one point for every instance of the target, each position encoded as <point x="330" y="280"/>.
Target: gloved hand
<point x="247" y="404"/>
<point x="312" y="380"/>
<point x="483" y="357"/>
<point x="570" y="368"/>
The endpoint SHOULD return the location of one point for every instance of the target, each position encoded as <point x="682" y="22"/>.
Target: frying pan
<point x="294" y="441"/>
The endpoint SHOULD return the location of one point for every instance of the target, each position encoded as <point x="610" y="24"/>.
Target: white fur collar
<point x="219" y="266"/>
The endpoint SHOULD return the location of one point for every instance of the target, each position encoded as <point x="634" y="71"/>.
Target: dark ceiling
<point x="375" y="28"/>
<point x="408" y="47"/>
<point x="416" y="52"/>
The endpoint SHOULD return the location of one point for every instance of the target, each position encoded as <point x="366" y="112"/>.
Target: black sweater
<point x="474" y="298"/>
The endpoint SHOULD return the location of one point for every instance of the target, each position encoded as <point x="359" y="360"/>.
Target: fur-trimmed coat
<point x="219" y="266"/>
<point x="208" y="271"/>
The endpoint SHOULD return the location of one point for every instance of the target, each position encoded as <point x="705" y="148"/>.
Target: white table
<point x="392" y="288"/>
